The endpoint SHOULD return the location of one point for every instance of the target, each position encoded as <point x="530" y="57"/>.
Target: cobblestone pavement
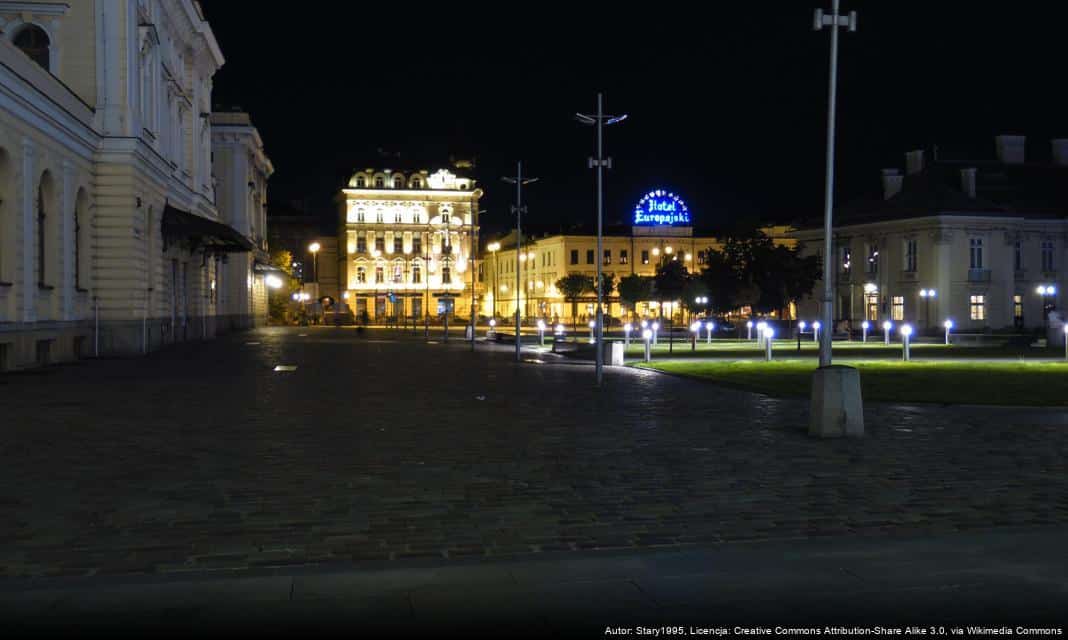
<point x="381" y="448"/>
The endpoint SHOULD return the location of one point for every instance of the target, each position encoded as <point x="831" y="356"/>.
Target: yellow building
<point x="407" y="241"/>
<point x="639" y="249"/>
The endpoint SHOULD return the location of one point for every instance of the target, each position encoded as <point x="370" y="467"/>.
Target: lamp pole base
<point x="837" y="407"/>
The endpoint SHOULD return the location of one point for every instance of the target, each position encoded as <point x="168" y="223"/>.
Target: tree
<point x="670" y="279"/>
<point x="572" y="286"/>
<point x="278" y="299"/>
<point x="634" y="289"/>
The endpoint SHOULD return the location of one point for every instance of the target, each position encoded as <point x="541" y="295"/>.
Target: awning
<point x="202" y="232"/>
<point x="262" y="267"/>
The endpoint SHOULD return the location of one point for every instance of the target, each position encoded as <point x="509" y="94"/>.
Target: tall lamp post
<point x="494" y="247"/>
<point x="600" y="163"/>
<point x="836" y="399"/>
<point x="1047" y="292"/>
<point x="314" y="248"/>
<point x="518" y="209"/>
<point x="472" y="247"/>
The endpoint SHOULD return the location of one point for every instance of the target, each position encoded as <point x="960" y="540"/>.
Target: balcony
<point x="978" y="275"/>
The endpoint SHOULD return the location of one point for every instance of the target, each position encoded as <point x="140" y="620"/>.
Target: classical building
<point x="110" y="237"/>
<point x="662" y="229"/>
<point x="954" y="237"/>
<point x="406" y="244"/>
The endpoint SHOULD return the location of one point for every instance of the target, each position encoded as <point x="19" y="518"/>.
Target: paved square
<point x="382" y="447"/>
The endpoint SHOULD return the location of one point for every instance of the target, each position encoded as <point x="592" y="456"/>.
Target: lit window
<point x="847" y="259"/>
<point x="417" y="274"/>
<point x="978" y="306"/>
<point x="623" y="256"/>
<point x="361" y="275"/>
<point x="380" y="275"/>
<point x="398" y="273"/>
<point x="873" y="258"/>
<point x="607" y="256"/>
<point x="1017" y="308"/>
<point x="446" y="275"/>
<point x="897" y="308"/>
<point x="645" y="256"/>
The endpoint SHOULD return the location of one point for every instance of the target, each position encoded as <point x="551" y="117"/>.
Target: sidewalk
<point x="1011" y="578"/>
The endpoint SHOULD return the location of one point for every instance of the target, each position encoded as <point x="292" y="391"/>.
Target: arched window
<point x="379" y="275"/>
<point x="379" y="183"/>
<point x="398" y="182"/>
<point x="417" y="274"/>
<point x="398" y="272"/>
<point x="360" y="182"/>
<point x="417" y="184"/>
<point x="359" y="213"/>
<point x="446" y="275"/>
<point x="33" y="41"/>
<point x="361" y="274"/>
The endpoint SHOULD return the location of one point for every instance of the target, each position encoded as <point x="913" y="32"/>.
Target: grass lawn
<point x="738" y="349"/>
<point x="1004" y="383"/>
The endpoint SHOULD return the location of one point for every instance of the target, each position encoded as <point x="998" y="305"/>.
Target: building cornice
<point x="36" y="8"/>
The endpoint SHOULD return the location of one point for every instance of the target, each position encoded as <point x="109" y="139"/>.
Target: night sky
<point x="726" y="106"/>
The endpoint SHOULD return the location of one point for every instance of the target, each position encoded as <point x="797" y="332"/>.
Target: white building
<point x="982" y="235"/>
<point x="110" y="239"/>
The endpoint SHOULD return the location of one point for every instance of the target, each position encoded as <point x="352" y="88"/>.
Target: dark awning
<point x="201" y="232"/>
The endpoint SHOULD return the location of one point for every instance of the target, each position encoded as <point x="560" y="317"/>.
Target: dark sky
<point x="727" y="105"/>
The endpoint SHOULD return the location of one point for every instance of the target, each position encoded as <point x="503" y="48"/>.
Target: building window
<point x="589" y="256"/>
<point x="41" y="245"/>
<point x="380" y="243"/>
<point x="380" y="275"/>
<point x="33" y="41"/>
<point x="897" y="308"/>
<point x="873" y="258"/>
<point x="378" y="216"/>
<point x="361" y="244"/>
<point x="1017" y="309"/>
<point x="417" y="244"/>
<point x="607" y="256"/>
<point x="379" y="182"/>
<point x="360" y="183"/>
<point x="446" y="275"/>
<point x="446" y="218"/>
<point x="398" y="217"/>
<point x="398" y="273"/>
<point x="417" y="184"/>
<point x="77" y="252"/>
<point x="978" y="305"/>
<point x="361" y="275"/>
<point x="645" y="256"/>
<point x="417" y="274"/>
<point x="976" y="254"/>
<point x="910" y="256"/>
<point x="1047" y="256"/>
<point x="623" y="256"/>
<point x="398" y="182"/>
<point x="398" y="244"/>
<point x="574" y="256"/>
<point x="360" y="213"/>
<point x="1017" y="260"/>
<point x="417" y="216"/>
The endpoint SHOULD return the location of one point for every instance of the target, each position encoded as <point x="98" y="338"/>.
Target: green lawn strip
<point x="871" y="350"/>
<point x="995" y="383"/>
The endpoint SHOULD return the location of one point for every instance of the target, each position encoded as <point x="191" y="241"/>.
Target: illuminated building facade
<point x="661" y="229"/>
<point x="408" y="239"/>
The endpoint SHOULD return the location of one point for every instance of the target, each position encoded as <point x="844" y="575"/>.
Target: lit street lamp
<point x="314" y="248"/>
<point x="948" y="324"/>
<point x="1047" y="292"/>
<point x="749" y="330"/>
<point x="906" y="331"/>
<point x="646" y="334"/>
<point x="541" y="332"/>
<point x="865" y="326"/>
<point x="887" y="326"/>
<point x="769" y="333"/>
<point x="709" y="327"/>
<point x="816" y="331"/>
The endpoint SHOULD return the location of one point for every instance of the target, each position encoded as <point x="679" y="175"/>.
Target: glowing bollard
<point x="1066" y="342"/>
<point x="749" y="330"/>
<point x="769" y="333"/>
<point x="627" y="328"/>
<point x="948" y="324"/>
<point x="865" y="326"/>
<point x="761" y="326"/>
<point x="541" y="332"/>
<point x="492" y="331"/>
<point x="816" y="331"/>
<point x="593" y="326"/>
<point x="647" y="334"/>
<point x="696" y="329"/>
<point x="709" y="327"/>
<point x="887" y="326"/>
<point x="656" y="329"/>
<point x="906" y="331"/>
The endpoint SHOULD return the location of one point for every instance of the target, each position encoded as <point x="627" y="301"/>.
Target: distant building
<point x="662" y="229"/>
<point x="983" y="234"/>
<point x="406" y="244"/>
<point x="111" y="239"/>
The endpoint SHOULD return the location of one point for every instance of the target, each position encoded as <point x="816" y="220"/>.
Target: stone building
<point x="110" y="237"/>
<point x="405" y="245"/>
<point x="959" y="237"/>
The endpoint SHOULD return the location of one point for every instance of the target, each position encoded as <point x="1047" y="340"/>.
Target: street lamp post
<point x="600" y="163"/>
<point x="1047" y="292"/>
<point x="769" y="333"/>
<point x="800" y="329"/>
<point x="314" y="248"/>
<point x="906" y="332"/>
<point x="646" y="334"/>
<point x="865" y="326"/>
<point x="816" y="331"/>
<point x="518" y="209"/>
<point x="749" y="330"/>
<point x="887" y="325"/>
<point x="709" y="327"/>
<point x="494" y="247"/>
<point x="948" y="324"/>
<point x="834" y="21"/>
<point x="1065" y="329"/>
<point x="696" y="329"/>
<point x="656" y="330"/>
<point x="472" y="247"/>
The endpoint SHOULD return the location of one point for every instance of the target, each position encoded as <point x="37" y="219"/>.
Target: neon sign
<point x="661" y="207"/>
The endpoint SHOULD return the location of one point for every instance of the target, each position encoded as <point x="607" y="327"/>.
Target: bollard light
<point x="760" y="331"/>
<point x="887" y="326"/>
<point x="802" y="324"/>
<point x="1065" y="341"/>
<point x="646" y="335"/>
<point x="627" y="328"/>
<point x="709" y="327"/>
<point x="541" y="332"/>
<point x="656" y="328"/>
<point x="948" y="324"/>
<point x="560" y="329"/>
<point x="696" y="329"/>
<point x="769" y="333"/>
<point x="645" y="324"/>
<point x="906" y="331"/>
<point x="865" y="326"/>
<point x="492" y="328"/>
<point x="749" y="330"/>
<point x="816" y="331"/>
<point x="593" y="325"/>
